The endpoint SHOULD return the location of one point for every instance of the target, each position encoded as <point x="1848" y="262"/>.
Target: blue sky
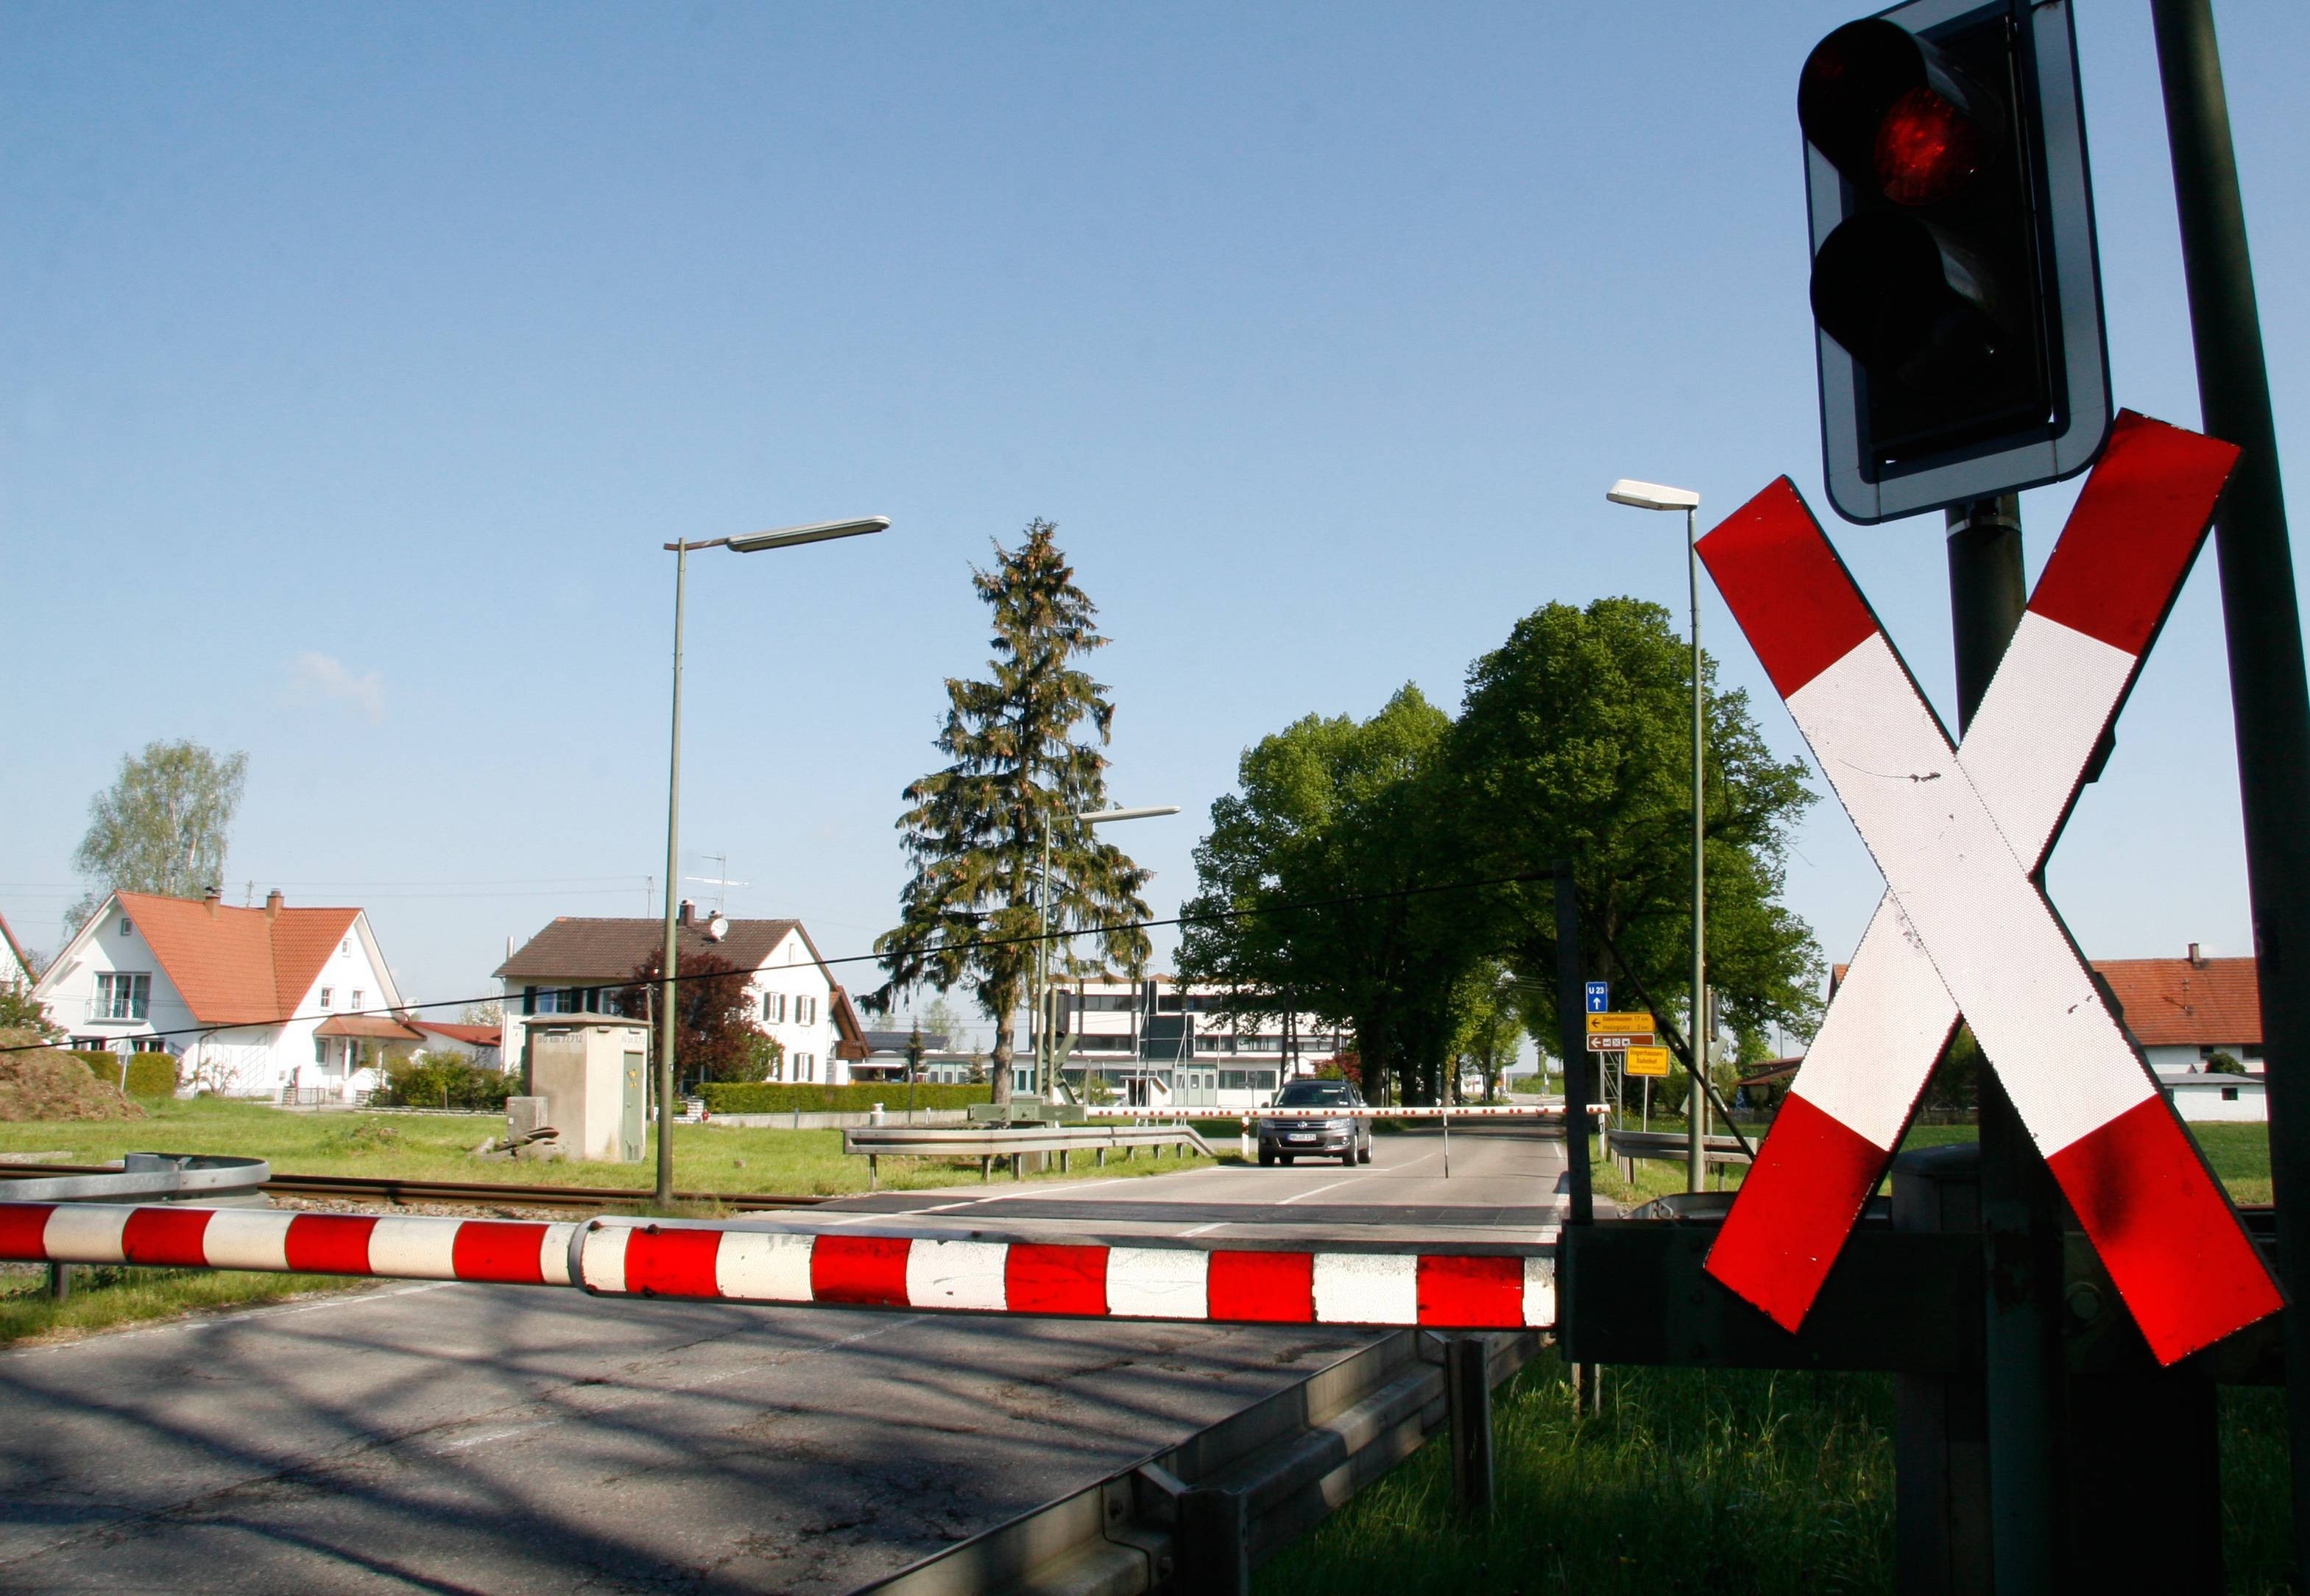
<point x="359" y="359"/>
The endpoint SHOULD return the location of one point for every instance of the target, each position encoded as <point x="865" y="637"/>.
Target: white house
<point x="253" y="1002"/>
<point x="2197" y="1096"/>
<point x="16" y="971"/>
<point x="577" y="966"/>
<point x="477" y="1043"/>
<point x="2182" y="1011"/>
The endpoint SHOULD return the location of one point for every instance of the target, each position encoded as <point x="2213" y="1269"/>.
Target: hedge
<point x="764" y="1097"/>
<point x="150" y="1074"/>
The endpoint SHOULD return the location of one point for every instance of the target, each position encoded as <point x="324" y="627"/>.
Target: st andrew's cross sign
<point x="1964" y="929"/>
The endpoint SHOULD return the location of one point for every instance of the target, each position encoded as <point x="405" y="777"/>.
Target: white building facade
<point x="587" y="966"/>
<point x="1156" y="1043"/>
<point x="251" y="1002"/>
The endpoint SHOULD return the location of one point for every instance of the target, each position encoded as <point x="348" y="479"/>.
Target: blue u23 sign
<point x="1600" y="998"/>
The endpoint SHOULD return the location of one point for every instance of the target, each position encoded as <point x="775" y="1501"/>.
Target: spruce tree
<point x="1023" y="748"/>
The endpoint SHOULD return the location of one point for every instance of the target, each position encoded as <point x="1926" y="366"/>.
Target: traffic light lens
<point x="1927" y="150"/>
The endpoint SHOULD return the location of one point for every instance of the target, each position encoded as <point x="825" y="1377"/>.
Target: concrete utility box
<point x="592" y="1070"/>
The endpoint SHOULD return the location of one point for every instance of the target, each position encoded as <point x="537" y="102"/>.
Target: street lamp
<point x="750" y="542"/>
<point x="1046" y="1012"/>
<point x="1652" y="495"/>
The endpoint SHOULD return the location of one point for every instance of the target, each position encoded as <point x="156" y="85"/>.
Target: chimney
<point x="682" y="915"/>
<point x="2195" y="961"/>
<point x="272" y="904"/>
<point x="213" y="897"/>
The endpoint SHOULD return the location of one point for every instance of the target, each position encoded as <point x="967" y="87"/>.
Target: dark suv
<point x="1289" y="1137"/>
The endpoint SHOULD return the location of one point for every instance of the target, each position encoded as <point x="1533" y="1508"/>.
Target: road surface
<point x="467" y="1438"/>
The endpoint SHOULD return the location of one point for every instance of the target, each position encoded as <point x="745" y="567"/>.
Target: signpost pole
<point x="1572" y="1042"/>
<point x="2270" y="700"/>
<point x="2022" y="1381"/>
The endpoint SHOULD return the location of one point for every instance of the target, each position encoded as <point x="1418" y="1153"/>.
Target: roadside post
<point x="2261" y="624"/>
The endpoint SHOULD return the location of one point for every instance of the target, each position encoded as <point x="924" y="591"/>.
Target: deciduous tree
<point x="161" y="827"/>
<point x="1575" y="744"/>
<point x="716" y="1033"/>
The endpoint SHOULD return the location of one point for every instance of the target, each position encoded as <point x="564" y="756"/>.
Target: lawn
<point x="1701" y="1480"/>
<point x="440" y="1147"/>
<point x="2239" y="1154"/>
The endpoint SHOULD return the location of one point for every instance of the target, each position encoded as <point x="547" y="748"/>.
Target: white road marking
<point x="1312" y="1191"/>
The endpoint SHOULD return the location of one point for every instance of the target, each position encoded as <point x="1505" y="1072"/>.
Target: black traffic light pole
<point x="2269" y="699"/>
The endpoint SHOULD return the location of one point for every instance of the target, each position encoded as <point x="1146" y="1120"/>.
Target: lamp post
<point x="751" y="542"/>
<point x="1045" y="1017"/>
<point x="1652" y="495"/>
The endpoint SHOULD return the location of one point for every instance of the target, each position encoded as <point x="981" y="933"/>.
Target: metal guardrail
<point x="987" y="1143"/>
<point x="1673" y="1144"/>
<point x="1199" y="1516"/>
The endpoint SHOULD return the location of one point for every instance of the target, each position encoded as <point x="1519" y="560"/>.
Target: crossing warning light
<point x="1955" y="283"/>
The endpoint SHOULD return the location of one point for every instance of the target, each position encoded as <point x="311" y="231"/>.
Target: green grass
<point x="2239" y="1154"/>
<point x="440" y="1146"/>
<point x="106" y="1297"/>
<point x="1703" y="1480"/>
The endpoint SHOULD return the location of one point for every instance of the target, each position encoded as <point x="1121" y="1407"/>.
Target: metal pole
<point x="1043" y="1083"/>
<point x="1572" y="1042"/>
<point x="2022" y="1373"/>
<point x="1696" y="1163"/>
<point x="672" y="875"/>
<point x="2270" y="700"/>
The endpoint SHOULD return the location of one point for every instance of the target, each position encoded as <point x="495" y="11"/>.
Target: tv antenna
<point x="718" y="882"/>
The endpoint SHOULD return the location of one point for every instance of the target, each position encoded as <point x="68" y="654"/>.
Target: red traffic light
<point x="1893" y="114"/>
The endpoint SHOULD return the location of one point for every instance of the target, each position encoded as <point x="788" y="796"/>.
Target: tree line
<point x="1334" y="880"/>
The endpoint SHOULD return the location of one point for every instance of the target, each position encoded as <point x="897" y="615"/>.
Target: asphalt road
<point x="465" y="1438"/>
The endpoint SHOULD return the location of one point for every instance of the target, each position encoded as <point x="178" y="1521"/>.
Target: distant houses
<point x="251" y="1002"/>
<point x="587" y="966"/>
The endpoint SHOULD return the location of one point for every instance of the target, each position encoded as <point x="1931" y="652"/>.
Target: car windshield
<point x="1312" y="1093"/>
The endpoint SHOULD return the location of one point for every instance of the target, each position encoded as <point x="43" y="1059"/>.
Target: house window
<point x="127" y="926"/>
<point x="357" y="997"/>
<point x="774" y="1007"/>
<point x="328" y="995"/>
<point x="2229" y="1094"/>
<point x="346" y="947"/>
<point x="151" y="1044"/>
<point x="320" y="1050"/>
<point x="121" y="995"/>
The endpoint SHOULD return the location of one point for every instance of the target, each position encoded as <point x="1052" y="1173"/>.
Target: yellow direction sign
<point x="1646" y="1061"/>
<point x="1621" y="1025"/>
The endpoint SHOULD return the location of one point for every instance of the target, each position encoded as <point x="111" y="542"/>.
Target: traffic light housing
<point x="1954" y="282"/>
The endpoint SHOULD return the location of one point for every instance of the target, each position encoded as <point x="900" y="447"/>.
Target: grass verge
<point x="1701" y="1480"/>
<point x="2239" y="1153"/>
<point x="106" y="1297"/>
<point x="440" y="1147"/>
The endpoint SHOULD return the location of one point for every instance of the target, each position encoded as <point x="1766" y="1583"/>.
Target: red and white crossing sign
<point x="1964" y="929"/>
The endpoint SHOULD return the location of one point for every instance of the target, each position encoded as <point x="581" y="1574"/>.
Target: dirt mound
<point x="46" y="1085"/>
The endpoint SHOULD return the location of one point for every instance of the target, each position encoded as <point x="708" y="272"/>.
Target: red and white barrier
<point x="501" y="1252"/>
<point x="1964" y="927"/>
<point x="1441" y="1291"/>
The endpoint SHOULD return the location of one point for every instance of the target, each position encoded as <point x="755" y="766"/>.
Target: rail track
<point x="388" y="1189"/>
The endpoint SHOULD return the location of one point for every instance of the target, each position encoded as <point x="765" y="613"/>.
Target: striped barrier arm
<point x="1440" y="1290"/>
<point x="1958" y="837"/>
<point x="1434" y="1290"/>
<point x="497" y="1251"/>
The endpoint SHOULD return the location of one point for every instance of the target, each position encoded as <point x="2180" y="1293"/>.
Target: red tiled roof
<point x="2172" y="1001"/>
<point x="237" y="966"/>
<point x="472" y="1035"/>
<point x="379" y="1026"/>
